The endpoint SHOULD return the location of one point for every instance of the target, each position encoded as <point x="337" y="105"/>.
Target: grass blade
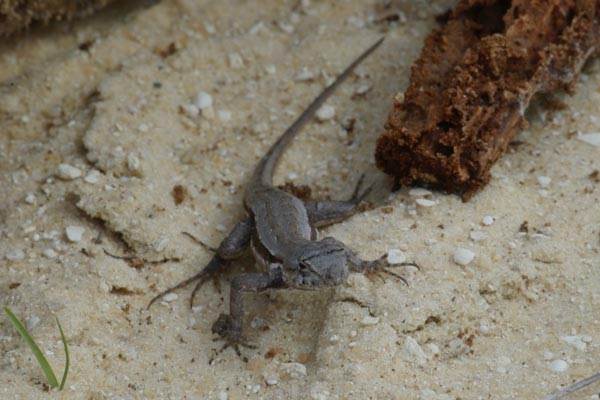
<point x="64" y="340"/>
<point x="52" y="381"/>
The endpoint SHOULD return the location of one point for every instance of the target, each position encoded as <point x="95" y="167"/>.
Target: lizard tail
<point x="263" y="173"/>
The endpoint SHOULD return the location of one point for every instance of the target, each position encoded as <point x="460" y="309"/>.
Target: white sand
<point x="490" y="329"/>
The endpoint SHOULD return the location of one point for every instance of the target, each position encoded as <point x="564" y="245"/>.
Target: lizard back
<point x="281" y="221"/>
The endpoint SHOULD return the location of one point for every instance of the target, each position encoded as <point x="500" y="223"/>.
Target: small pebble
<point x="49" y="253"/>
<point x="304" y="75"/>
<point x="30" y="198"/>
<point x="203" y="100"/>
<point x="293" y="369"/>
<point x="287" y="28"/>
<point x="74" y="233"/>
<point x="223" y="395"/>
<point x="92" y="176"/>
<point x="430" y="241"/>
<point x="477" y="235"/>
<point x="221" y="228"/>
<point x="356" y="21"/>
<point x="433" y="348"/>
<point x="210" y="28"/>
<point x="133" y="162"/>
<point x="161" y="244"/>
<point x="105" y="287"/>
<point x="15" y="254"/>
<point x="548" y="355"/>
<point x="236" y="61"/>
<point x="169" y="297"/>
<point x="544" y="180"/>
<point x="484" y="329"/>
<point x="362" y="89"/>
<point x="366" y="321"/>
<point x="353" y="333"/>
<point x="463" y="256"/>
<point x="413" y="351"/>
<point x="488" y="220"/>
<point x="224" y="115"/>
<point x="191" y="110"/>
<point x="428" y="394"/>
<point x="559" y="365"/>
<point x="575" y="341"/>
<point x="590" y="138"/>
<point x="419" y="192"/>
<point x="32" y="322"/>
<point x="425" y="202"/>
<point x="271" y="69"/>
<point x="396" y="256"/>
<point x="325" y="113"/>
<point x="334" y="338"/>
<point x="68" y="172"/>
<point x="272" y="382"/>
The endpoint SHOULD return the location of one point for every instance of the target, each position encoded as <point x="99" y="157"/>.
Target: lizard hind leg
<point x="210" y="269"/>
<point x="230" y="248"/>
<point x="327" y="212"/>
<point x="200" y="242"/>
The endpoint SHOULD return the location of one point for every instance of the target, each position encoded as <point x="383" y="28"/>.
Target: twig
<point x="574" y="387"/>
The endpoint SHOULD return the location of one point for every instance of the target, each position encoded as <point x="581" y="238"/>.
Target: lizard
<point x="281" y="231"/>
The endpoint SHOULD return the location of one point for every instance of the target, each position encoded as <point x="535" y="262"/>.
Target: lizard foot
<point x="228" y="329"/>
<point x="382" y="265"/>
<point x="210" y="270"/>
<point x="357" y="196"/>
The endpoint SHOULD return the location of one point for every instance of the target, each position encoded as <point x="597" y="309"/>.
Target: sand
<point x="100" y="123"/>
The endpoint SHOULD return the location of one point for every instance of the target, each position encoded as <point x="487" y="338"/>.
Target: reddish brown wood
<point x="473" y="82"/>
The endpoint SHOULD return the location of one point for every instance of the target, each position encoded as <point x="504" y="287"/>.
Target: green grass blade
<point x="52" y="381"/>
<point x="64" y="340"/>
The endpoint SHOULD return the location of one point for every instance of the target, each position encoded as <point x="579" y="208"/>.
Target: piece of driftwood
<point x="474" y="80"/>
<point x="16" y="15"/>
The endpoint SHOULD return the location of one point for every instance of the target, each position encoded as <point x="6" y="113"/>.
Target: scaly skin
<point x="280" y="230"/>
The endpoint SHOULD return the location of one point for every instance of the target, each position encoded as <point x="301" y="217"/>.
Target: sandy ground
<point x="114" y="97"/>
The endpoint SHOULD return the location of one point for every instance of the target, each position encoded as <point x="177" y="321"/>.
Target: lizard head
<point x="317" y="264"/>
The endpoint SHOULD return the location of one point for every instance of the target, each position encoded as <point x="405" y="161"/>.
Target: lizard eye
<point x="304" y="265"/>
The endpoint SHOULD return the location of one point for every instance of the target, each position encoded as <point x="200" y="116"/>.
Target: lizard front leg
<point x="229" y="326"/>
<point x="379" y="265"/>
